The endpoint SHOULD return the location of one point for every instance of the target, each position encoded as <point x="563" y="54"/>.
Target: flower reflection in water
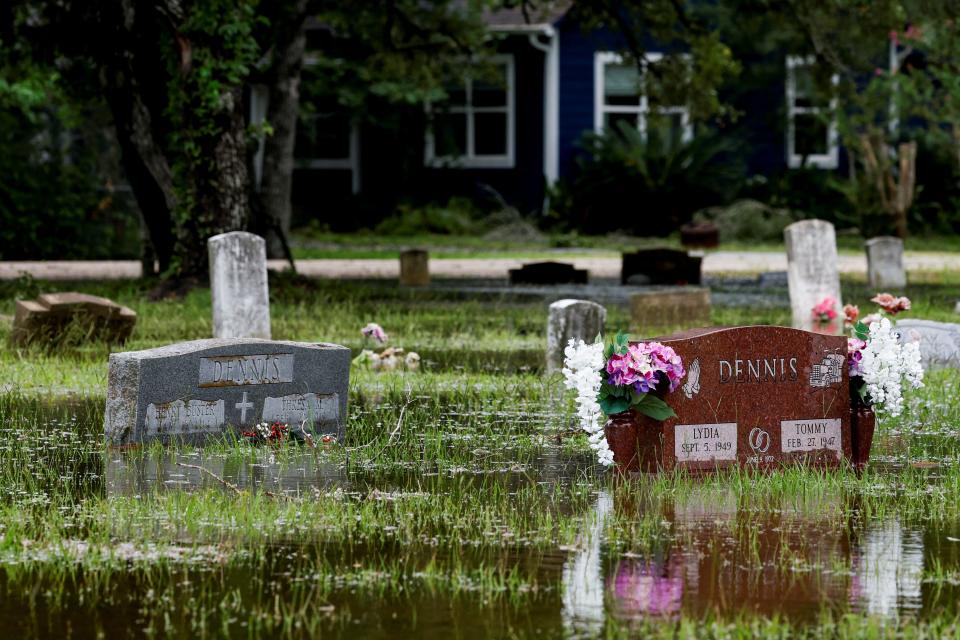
<point x="582" y="579"/>
<point x="648" y="587"/>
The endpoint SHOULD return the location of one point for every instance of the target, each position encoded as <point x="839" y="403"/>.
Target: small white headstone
<point x="812" y="274"/>
<point x="939" y="342"/>
<point x="885" y="263"/>
<point x="238" y="285"/>
<point x="577" y="319"/>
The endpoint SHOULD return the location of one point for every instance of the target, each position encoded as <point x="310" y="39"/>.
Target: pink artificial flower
<point x="375" y="331"/>
<point x="855" y="348"/>
<point x="870" y="319"/>
<point x="665" y="360"/>
<point x="877" y="71"/>
<point x="826" y="310"/>
<point x="621" y="370"/>
<point x="891" y="304"/>
<point x="851" y="313"/>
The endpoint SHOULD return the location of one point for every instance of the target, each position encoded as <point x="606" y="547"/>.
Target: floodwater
<point x="719" y="554"/>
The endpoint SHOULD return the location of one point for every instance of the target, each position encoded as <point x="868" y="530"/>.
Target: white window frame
<point x="830" y="159"/>
<point x="469" y="160"/>
<point x="603" y="59"/>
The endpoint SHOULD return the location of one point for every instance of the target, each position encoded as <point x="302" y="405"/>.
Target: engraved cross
<point x="243" y="405"/>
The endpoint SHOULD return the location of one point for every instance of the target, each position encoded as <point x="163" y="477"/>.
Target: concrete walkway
<point x="713" y="263"/>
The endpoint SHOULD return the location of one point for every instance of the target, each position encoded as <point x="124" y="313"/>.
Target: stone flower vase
<point x="636" y="442"/>
<point x="863" y="422"/>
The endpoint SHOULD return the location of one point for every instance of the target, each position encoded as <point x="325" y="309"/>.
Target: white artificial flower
<point x="581" y="372"/>
<point x="887" y="365"/>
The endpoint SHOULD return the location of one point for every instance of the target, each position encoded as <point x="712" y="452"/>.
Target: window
<point x="327" y="138"/>
<point x="811" y="122"/>
<point x="475" y="129"/>
<point x="619" y="96"/>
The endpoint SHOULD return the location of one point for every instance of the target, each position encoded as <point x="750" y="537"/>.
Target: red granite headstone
<point x="758" y="397"/>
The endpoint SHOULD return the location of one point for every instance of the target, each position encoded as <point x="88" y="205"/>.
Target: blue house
<point x="519" y="134"/>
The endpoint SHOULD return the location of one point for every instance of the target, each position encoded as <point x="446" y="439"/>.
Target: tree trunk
<point x="144" y="162"/>
<point x="283" y="108"/>
<point x="220" y="188"/>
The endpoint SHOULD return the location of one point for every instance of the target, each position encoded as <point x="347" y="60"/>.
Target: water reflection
<point x="888" y="568"/>
<point x="722" y="553"/>
<point x="583" y="589"/>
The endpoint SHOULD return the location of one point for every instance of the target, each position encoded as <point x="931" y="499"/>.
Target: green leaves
<point x="652" y="406"/>
<point x="861" y="330"/>
<point x="611" y="405"/>
<point x="619" y="345"/>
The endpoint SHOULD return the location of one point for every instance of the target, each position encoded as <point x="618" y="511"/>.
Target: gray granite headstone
<point x="812" y="273"/>
<point x="571" y="319"/>
<point x="885" y="263"/>
<point x="238" y="285"/>
<point x="939" y="342"/>
<point x="190" y="391"/>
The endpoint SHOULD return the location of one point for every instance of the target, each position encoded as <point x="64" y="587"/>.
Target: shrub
<point x="52" y="202"/>
<point x="748" y="220"/>
<point x="645" y="186"/>
<point x="457" y="217"/>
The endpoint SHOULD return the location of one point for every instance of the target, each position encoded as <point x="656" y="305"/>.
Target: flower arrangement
<point x="390" y="359"/>
<point x="279" y="432"/>
<point x="617" y="378"/>
<point x="375" y="332"/>
<point x="880" y="366"/>
<point x="825" y="311"/>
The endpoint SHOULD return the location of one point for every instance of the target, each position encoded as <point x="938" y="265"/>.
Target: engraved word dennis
<point x="758" y="370"/>
<point x="230" y="371"/>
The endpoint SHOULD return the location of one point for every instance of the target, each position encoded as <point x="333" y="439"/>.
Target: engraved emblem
<point x="759" y="440"/>
<point x="828" y="372"/>
<point x="692" y="386"/>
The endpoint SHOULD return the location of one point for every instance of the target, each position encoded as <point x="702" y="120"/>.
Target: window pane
<point x="456" y="94"/>
<point x="323" y="136"/>
<point x="612" y="120"/>
<point x="810" y="135"/>
<point x="621" y="85"/>
<point x="491" y="91"/>
<point x="665" y="129"/>
<point x="490" y="134"/>
<point x="812" y="86"/>
<point x="449" y="134"/>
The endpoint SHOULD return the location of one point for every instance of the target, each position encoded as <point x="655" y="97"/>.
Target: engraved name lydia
<point x="758" y="370"/>
<point x="229" y="371"/>
<point x="705" y="442"/>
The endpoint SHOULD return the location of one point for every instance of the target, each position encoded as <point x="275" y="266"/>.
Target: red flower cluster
<point x="276" y="432"/>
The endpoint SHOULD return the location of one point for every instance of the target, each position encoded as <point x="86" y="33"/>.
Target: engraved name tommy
<point x="229" y="371"/>
<point x="758" y="370"/>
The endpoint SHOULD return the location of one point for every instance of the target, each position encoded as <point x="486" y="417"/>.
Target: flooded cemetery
<point x="470" y="319"/>
<point x="143" y="495"/>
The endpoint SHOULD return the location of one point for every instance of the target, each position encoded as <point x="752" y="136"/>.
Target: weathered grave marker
<point x="49" y="317"/>
<point x="669" y="306"/>
<point x="238" y="285"/>
<point x="885" y="263"/>
<point x="812" y="274"/>
<point x="414" y="268"/>
<point x="939" y="342"/>
<point x="571" y="319"/>
<point x="755" y="397"/>
<point x="194" y="390"/>
<point x="547" y="273"/>
<point x="660" y="266"/>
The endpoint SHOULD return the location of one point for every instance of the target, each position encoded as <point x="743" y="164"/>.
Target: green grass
<point x="369" y="245"/>
<point x="466" y="518"/>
